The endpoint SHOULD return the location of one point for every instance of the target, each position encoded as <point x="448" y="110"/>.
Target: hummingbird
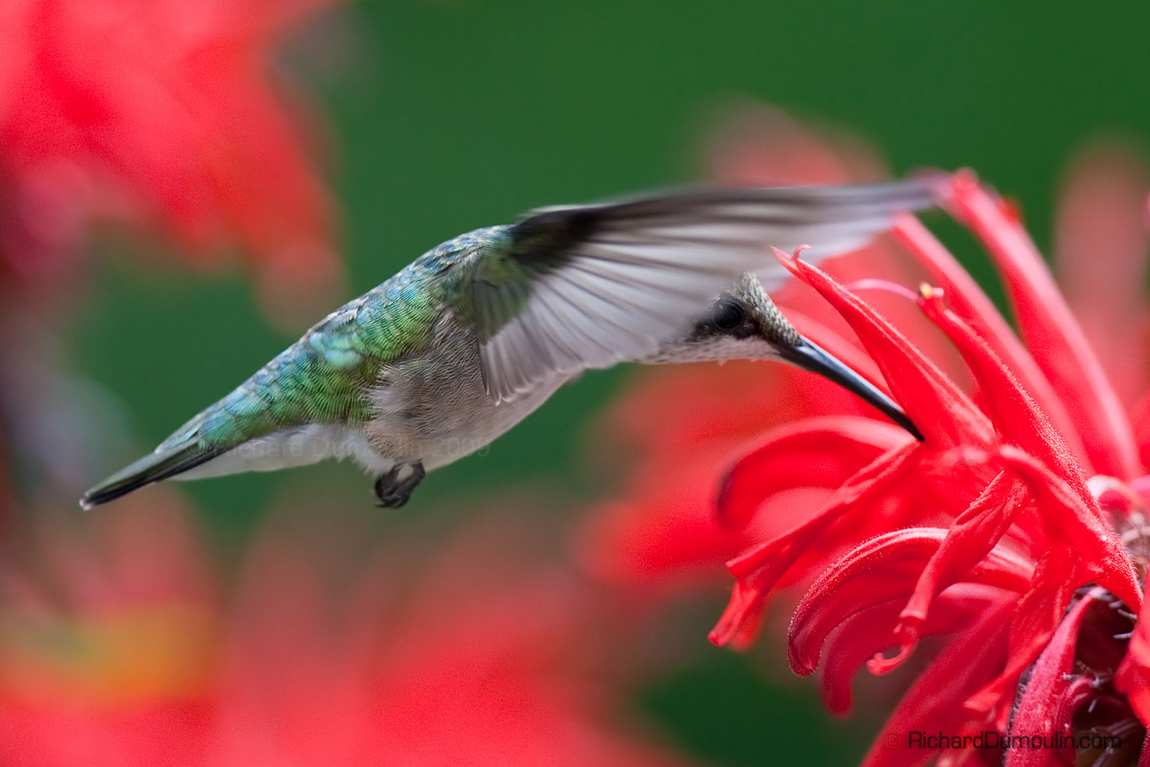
<point x="474" y="335"/>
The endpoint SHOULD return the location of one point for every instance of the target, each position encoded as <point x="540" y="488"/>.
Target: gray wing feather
<point x="620" y="279"/>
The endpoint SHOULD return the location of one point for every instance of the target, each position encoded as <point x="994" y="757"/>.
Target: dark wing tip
<point x="548" y="233"/>
<point x="558" y="228"/>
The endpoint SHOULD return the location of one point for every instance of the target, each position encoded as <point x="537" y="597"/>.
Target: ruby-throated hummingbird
<point x="475" y="334"/>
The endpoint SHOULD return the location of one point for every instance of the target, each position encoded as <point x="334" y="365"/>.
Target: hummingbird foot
<point x="391" y="492"/>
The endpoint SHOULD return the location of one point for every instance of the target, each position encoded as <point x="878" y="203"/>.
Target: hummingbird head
<point x="741" y="323"/>
<point x="744" y="323"/>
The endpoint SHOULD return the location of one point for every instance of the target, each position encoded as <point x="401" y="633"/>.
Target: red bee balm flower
<point x="1016" y="533"/>
<point x="162" y="112"/>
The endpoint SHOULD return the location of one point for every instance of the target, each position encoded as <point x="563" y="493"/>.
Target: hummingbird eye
<point x="728" y="314"/>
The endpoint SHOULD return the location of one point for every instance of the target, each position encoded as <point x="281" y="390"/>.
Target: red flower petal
<point x="1052" y="334"/>
<point x="1038" y="614"/>
<point x="820" y="452"/>
<point x="1074" y="515"/>
<point x="856" y="639"/>
<point x="1014" y="413"/>
<point x="933" y="703"/>
<point x="973" y="305"/>
<point x="1101" y="255"/>
<point x="1048" y="684"/>
<point x="1067" y="518"/>
<point x="1133" y="677"/>
<point x="942" y="412"/>
<point x="875" y="572"/>
<point x="859" y="637"/>
<point x="760" y="568"/>
<point x="972" y="537"/>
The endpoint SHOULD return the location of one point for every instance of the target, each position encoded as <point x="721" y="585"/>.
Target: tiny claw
<point x="391" y="492"/>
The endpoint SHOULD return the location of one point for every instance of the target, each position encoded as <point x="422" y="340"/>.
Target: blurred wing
<point x="589" y="286"/>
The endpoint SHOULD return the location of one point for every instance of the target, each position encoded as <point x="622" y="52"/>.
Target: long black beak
<point x="809" y="356"/>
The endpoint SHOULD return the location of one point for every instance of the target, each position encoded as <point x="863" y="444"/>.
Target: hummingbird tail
<point x="162" y="464"/>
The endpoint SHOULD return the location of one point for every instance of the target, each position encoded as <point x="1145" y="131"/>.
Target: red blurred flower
<point x="163" y="112"/>
<point x="1016" y="532"/>
<point x="120" y="651"/>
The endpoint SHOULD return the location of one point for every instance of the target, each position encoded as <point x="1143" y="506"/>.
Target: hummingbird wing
<point x="588" y="286"/>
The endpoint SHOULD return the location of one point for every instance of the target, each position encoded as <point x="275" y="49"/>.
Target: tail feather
<point x="256" y="408"/>
<point x="164" y="463"/>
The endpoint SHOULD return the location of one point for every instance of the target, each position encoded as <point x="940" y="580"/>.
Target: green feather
<point x="325" y="377"/>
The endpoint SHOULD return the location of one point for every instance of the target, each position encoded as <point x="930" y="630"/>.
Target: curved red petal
<point x="879" y="570"/>
<point x="759" y="569"/>
<point x="1097" y="549"/>
<point x="1073" y="515"/>
<point x="942" y="412"/>
<point x="933" y="703"/>
<point x="859" y="637"/>
<point x="1053" y="336"/>
<point x="973" y="305"/>
<point x="971" y="538"/>
<point x="1034" y="622"/>
<point x="852" y="643"/>
<point x="741" y="617"/>
<point x="1015" y="414"/>
<point x="1048" y="684"/>
<point x="818" y="452"/>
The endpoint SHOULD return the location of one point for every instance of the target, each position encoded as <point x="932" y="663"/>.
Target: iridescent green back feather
<point x="325" y="377"/>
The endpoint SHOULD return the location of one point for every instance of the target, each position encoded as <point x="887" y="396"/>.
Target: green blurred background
<point x="449" y="115"/>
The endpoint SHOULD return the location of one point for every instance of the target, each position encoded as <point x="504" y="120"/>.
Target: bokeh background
<point x="431" y="118"/>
